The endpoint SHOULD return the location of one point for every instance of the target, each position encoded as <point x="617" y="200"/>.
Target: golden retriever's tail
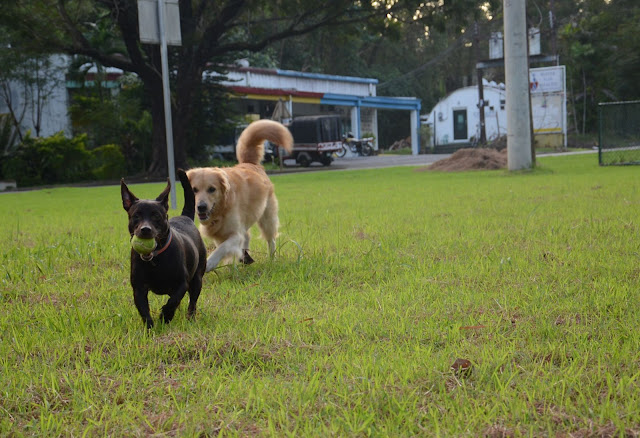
<point x="250" y="148"/>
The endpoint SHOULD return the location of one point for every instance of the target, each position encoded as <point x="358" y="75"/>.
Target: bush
<point x="57" y="159"/>
<point x="108" y="162"/>
<point x="54" y="159"/>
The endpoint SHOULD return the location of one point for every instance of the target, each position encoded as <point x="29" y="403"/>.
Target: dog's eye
<point x="195" y="189"/>
<point x="211" y="189"/>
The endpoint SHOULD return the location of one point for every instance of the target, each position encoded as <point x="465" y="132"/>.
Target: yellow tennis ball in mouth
<point x="143" y="246"/>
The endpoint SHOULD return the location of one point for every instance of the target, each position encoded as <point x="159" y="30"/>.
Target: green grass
<point x="620" y="157"/>
<point x="383" y="278"/>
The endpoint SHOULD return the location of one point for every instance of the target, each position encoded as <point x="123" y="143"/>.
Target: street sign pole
<point x="159" y="23"/>
<point x="166" y="91"/>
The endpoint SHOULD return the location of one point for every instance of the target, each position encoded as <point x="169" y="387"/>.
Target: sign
<point x="549" y="101"/>
<point x="546" y="79"/>
<point x="148" y="22"/>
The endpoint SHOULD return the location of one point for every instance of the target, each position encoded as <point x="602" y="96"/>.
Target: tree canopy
<point x="414" y="48"/>
<point x="213" y="33"/>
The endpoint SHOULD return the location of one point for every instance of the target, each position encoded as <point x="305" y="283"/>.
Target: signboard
<point x="549" y="100"/>
<point x="496" y="46"/>
<point x="546" y="79"/>
<point x="148" y="22"/>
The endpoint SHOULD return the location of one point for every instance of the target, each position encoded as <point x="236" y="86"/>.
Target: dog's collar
<point x="152" y="254"/>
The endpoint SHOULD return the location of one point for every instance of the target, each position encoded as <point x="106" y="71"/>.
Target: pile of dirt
<point x="471" y="159"/>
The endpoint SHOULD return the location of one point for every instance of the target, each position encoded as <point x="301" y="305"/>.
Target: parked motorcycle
<point x="362" y="147"/>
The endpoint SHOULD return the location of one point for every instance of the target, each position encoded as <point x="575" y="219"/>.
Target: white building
<point x="46" y="104"/>
<point x="353" y="98"/>
<point x="456" y="118"/>
<point x="258" y="89"/>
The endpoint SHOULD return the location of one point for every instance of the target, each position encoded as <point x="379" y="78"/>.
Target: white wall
<point x="441" y="116"/>
<point x="54" y="117"/>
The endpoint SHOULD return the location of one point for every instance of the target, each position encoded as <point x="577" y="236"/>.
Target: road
<point x="378" y="161"/>
<point x="374" y="162"/>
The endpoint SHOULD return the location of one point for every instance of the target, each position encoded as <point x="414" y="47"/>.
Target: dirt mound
<point x="471" y="159"/>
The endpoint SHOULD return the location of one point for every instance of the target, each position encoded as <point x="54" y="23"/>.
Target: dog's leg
<point x="195" y="286"/>
<point x="169" y="309"/>
<point x="141" y="299"/>
<point x="246" y="258"/>
<point x="230" y="247"/>
<point x="269" y="223"/>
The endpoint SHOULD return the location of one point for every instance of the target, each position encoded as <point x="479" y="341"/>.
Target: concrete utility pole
<point x="517" y="85"/>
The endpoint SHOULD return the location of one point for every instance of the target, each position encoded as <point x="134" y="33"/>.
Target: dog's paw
<point x="246" y="258"/>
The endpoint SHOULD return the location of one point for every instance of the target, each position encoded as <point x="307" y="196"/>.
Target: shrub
<point x="49" y="160"/>
<point x="107" y="162"/>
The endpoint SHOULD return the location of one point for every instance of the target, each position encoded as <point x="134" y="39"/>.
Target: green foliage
<point x="54" y="159"/>
<point x="57" y="160"/>
<point x="116" y="119"/>
<point x="107" y="162"/>
<point x="214" y="119"/>
<point x="599" y="43"/>
<point x="8" y="134"/>
<point x="8" y="139"/>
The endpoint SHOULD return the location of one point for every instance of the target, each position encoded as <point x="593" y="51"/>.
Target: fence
<point x="619" y="133"/>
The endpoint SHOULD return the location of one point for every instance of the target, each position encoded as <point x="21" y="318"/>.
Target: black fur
<point x="177" y="269"/>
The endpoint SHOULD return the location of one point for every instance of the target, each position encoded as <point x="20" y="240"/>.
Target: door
<point x="460" y="124"/>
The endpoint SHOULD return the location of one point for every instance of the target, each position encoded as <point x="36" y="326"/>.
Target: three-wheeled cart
<point x="315" y="138"/>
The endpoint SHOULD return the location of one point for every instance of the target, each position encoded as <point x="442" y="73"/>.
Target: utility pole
<point x="517" y="86"/>
<point x="552" y="27"/>
<point x="476" y="42"/>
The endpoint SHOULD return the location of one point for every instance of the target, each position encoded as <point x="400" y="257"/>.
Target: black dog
<point x="180" y="258"/>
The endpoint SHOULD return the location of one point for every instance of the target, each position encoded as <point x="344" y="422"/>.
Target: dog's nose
<point x="202" y="208"/>
<point x="145" y="231"/>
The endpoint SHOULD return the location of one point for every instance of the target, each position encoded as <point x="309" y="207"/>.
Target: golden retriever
<point x="229" y="200"/>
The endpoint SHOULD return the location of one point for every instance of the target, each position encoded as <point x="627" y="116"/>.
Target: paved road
<point x="379" y="161"/>
<point x="386" y="161"/>
<point x="373" y="162"/>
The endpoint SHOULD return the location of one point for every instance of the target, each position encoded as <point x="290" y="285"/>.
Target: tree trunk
<point x="182" y="112"/>
<point x="158" y="166"/>
<point x="584" y="101"/>
<point x="187" y="85"/>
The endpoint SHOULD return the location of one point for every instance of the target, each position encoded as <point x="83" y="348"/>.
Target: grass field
<point x="383" y="278"/>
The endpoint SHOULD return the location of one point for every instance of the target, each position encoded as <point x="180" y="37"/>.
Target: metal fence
<point x="619" y="133"/>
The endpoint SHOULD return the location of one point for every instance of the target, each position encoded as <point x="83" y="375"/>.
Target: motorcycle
<point x="362" y="147"/>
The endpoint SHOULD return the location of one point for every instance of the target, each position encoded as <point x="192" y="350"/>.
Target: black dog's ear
<point x="128" y="198"/>
<point x="182" y="176"/>
<point x="164" y="196"/>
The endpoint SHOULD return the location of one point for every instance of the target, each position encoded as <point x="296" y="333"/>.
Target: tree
<point x="27" y="81"/>
<point x="597" y="41"/>
<point x="213" y="33"/>
<point x="416" y="58"/>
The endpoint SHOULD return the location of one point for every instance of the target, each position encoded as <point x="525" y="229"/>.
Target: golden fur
<point x="229" y="200"/>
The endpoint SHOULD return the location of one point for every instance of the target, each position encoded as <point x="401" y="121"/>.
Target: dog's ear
<point x="128" y="198"/>
<point x="224" y="185"/>
<point x="164" y="196"/>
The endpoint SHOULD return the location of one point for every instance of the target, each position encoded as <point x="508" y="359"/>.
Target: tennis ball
<point x="143" y="246"/>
